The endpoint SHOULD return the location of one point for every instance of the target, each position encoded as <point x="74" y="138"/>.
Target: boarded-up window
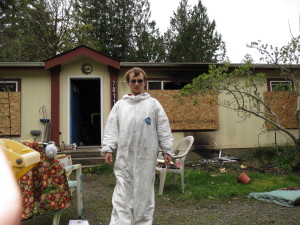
<point x="283" y="103"/>
<point x="10" y="113"/>
<point x="187" y="116"/>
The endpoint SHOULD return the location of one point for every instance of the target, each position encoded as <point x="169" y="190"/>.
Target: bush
<point x="265" y="154"/>
<point x="282" y="156"/>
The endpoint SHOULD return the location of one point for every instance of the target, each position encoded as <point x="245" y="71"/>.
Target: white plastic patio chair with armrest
<point x="73" y="185"/>
<point x="180" y="151"/>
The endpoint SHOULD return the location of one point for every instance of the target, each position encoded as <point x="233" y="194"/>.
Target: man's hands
<point x="168" y="159"/>
<point x="108" y="158"/>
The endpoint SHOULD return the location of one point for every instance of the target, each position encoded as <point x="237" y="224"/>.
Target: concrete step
<point x="85" y="155"/>
<point x="88" y="166"/>
<point x="80" y="153"/>
<point x="88" y="161"/>
<point x="89" y="158"/>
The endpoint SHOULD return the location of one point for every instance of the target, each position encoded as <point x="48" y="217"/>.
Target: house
<point x="67" y="99"/>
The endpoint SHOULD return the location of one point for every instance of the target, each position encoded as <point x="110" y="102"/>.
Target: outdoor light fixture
<point x="35" y="133"/>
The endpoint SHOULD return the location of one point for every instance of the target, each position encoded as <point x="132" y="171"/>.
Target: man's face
<point x="136" y="84"/>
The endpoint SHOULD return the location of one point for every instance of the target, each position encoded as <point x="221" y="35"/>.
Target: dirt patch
<point x="97" y="192"/>
<point x="237" y="165"/>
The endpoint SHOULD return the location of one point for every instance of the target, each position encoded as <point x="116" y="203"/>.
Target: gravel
<point x="98" y="189"/>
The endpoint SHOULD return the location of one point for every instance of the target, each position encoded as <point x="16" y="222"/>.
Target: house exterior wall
<point x="73" y="70"/>
<point x="35" y="93"/>
<point x="236" y="133"/>
<point x="233" y="132"/>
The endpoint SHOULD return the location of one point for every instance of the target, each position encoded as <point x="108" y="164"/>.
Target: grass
<point x="201" y="184"/>
<point x="101" y="169"/>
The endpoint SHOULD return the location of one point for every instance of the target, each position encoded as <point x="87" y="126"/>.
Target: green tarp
<point x="288" y="198"/>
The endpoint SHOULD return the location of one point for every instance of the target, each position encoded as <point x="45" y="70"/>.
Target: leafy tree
<point x="9" y="43"/>
<point x="148" y="43"/>
<point x="242" y="84"/>
<point x="286" y="59"/>
<point x="192" y="36"/>
<point x="60" y="37"/>
<point x="34" y="30"/>
<point x="122" y="28"/>
<point x="118" y="28"/>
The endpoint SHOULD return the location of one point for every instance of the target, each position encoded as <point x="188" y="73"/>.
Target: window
<point x="165" y="85"/>
<point x="279" y="84"/>
<point x="11" y="86"/>
<point x="156" y="85"/>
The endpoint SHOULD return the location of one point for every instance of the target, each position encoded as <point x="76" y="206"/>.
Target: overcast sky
<point x="241" y="21"/>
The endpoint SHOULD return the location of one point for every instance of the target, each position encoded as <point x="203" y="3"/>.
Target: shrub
<point x="282" y="156"/>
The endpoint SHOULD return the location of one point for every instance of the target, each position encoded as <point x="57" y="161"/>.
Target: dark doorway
<point x="85" y="116"/>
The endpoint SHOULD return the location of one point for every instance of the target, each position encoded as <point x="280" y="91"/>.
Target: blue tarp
<point x="288" y="198"/>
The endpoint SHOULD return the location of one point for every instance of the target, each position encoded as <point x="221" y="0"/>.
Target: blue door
<point x="85" y="111"/>
<point x="75" y="113"/>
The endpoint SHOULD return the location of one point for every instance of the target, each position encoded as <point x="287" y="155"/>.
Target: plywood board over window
<point x="187" y="116"/>
<point x="10" y="113"/>
<point x="283" y="103"/>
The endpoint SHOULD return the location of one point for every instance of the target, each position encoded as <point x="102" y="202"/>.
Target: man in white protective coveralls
<point x="136" y="127"/>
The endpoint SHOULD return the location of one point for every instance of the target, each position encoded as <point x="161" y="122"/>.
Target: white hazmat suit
<point x="136" y="127"/>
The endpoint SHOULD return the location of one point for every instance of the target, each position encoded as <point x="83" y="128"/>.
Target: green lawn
<point x="201" y="184"/>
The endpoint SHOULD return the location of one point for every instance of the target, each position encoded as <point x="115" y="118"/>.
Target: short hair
<point x="136" y="71"/>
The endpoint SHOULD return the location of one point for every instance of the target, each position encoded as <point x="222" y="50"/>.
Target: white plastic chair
<point x="180" y="151"/>
<point x="73" y="185"/>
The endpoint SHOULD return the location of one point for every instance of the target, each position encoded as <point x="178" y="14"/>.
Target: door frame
<point x="100" y="78"/>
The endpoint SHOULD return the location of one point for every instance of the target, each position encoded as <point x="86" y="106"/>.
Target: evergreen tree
<point x="149" y="45"/>
<point x="121" y="29"/>
<point x="34" y="30"/>
<point x="10" y="12"/>
<point x="91" y="23"/>
<point x="192" y="37"/>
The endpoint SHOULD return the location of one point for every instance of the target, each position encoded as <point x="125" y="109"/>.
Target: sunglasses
<point x="134" y="81"/>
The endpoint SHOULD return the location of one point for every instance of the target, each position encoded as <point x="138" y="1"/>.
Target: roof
<point x="22" y="64"/>
<point x="195" y="65"/>
<point x="81" y="50"/>
<point x="107" y="60"/>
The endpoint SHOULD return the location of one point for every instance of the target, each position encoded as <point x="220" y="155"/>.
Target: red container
<point x="243" y="178"/>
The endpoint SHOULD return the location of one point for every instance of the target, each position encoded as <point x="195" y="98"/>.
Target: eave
<point x="81" y="51"/>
